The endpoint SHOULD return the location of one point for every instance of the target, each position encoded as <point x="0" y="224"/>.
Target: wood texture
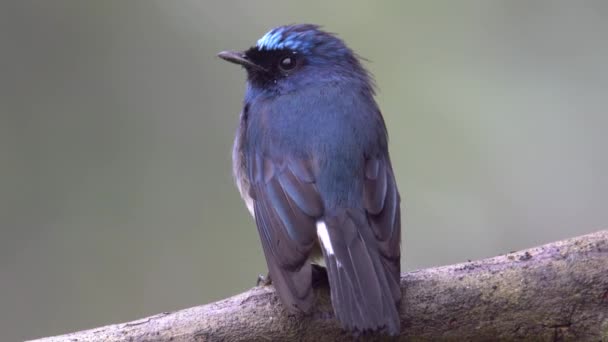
<point x="555" y="292"/>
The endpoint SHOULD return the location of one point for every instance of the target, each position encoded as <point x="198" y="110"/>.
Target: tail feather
<point x="360" y="283"/>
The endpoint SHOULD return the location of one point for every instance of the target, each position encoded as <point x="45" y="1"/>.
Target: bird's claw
<point x="263" y="280"/>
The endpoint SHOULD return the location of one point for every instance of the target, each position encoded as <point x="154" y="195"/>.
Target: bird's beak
<point x="239" y="58"/>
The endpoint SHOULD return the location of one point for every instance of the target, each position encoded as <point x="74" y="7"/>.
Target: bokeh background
<point x="117" y="119"/>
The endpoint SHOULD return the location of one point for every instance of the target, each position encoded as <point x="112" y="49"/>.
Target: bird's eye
<point x="288" y="63"/>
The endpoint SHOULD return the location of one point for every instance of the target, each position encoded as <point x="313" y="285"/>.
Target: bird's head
<point x="294" y="56"/>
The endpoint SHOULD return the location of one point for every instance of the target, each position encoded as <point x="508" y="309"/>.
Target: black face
<point x="277" y="64"/>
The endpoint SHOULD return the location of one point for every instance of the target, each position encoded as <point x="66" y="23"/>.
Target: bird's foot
<point x="263" y="280"/>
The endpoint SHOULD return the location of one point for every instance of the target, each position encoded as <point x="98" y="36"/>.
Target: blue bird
<point x="311" y="162"/>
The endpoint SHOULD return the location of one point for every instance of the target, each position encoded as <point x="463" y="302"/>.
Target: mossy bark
<point x="555" y="292"/>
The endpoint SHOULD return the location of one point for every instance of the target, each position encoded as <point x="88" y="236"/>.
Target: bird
<point x="311" y="162"/>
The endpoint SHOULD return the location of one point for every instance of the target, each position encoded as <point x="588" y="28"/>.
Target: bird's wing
<point x="286" y="205"/>
<point x="382" y="204"/>
<point x="362" y="253"/>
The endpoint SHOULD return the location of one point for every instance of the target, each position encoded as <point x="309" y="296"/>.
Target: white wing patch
<point x="323" y="235"/>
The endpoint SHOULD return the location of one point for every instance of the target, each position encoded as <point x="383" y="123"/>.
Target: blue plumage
<point x="311" y="161"/>
<point x="276" y="39"/>
<point x="296" y="37"/>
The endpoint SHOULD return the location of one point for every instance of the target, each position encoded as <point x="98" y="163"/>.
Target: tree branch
<point x="555" y="292"/>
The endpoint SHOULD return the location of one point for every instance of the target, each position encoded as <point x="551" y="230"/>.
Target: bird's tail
<point x="361" y="292"/>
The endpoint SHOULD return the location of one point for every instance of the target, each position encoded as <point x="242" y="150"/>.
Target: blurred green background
<point x="117" y="119"/>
